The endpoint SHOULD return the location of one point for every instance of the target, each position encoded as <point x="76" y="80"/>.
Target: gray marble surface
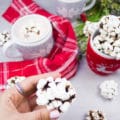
<point x="85" y="81"/>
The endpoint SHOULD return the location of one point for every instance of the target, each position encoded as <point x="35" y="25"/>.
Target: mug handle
<point x="10" y="51"/>
<point x="87" y="7"/>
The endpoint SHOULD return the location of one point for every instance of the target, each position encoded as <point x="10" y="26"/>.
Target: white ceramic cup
<point x="71" y="9"/>
<point x="19" y="47"/>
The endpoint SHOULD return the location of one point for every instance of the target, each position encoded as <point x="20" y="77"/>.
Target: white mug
<point x="71" y="9"/>
<point x="31" y="38"/>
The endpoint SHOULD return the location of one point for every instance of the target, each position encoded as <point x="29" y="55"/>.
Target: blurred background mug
<point x="98" y="62"/>
<point x="72" y="9"/>
<point x="31" y="37"/>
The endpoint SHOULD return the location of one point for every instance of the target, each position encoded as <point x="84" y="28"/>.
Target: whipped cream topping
<point x="31" y="28"/>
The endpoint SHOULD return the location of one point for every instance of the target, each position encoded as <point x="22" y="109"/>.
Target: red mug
<point x="99" y="62"/>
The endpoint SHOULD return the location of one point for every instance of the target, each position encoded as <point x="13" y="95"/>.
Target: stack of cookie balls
<point x="55" y="94"/>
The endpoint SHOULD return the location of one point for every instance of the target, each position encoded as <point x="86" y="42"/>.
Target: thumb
<point x="42" y="114"/>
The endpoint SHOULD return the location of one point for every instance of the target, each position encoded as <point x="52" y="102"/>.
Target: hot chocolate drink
<point x="31" y="38"/>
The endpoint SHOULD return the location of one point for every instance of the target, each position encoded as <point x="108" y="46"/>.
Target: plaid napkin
<point x="64" y="55"/>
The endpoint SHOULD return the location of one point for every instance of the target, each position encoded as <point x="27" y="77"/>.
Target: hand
<point x="14" y="106"/>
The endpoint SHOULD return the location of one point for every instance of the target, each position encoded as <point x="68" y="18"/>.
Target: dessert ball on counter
<point x="109" y="89"/>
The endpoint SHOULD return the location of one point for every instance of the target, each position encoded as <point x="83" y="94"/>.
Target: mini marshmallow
<point x="71" y="91"/>
<point x="117" y="30"/>
<point x="110" y="40"/>
<point x="103" y="32"/>
<point x="58" y="80"/>
<point x="64" y="95"/>
<point x="89" y="28"/>
<point x="49" y="94"/>
<point x="50" y="106"/>
<point x="55" y="94"/>
<point x="118" y="56"/>
<point x="55" y="104"/>
<point x="41" y="101"/>
<point x="30" y="31"/>
<point x="50" y="79"/>
<point x="117" y="43"/>
<point x="113" y="54"/>
<point x="39" y="92"/>
<point x="41" y="83"/>
<point x="109" y="89"/>
<point x="97" y="39"/>
<point x="65" y="107"/>
<point x="13" y="80"/>
<point x="105" y="45"/>
<point x="117" y="49"/>
<point x="112" y="33"/>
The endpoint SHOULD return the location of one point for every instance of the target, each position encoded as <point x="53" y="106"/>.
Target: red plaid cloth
<point x="64" y="55"/>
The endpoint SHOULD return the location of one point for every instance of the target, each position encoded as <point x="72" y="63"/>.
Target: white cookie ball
<point x="109" y="89"/>
<point x="55" y="94"/>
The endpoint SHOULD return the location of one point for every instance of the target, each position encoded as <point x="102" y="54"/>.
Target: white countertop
<point x="85" y="81"/>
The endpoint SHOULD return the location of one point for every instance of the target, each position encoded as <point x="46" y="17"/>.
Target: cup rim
<point x="96" y="50"/>
<point x="48" y="32"/>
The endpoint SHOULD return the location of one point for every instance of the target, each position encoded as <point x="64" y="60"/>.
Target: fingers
<point x="42" y="114"/>
<point x="54" y="115"/>
<point x="32" y="102"/>
<point x="29" y="85"/>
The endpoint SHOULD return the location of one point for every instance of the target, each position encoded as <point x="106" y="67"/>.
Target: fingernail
<point x="54" y="114"/>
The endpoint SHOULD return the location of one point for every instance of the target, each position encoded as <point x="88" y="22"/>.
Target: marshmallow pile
<point x="109" y="89"/>
<point x="55" y="94"/>
<point x="90" y="28"/>
<point x="107" y="40"/>
<point x="4" y="37"/>
<point x="30" y="32"/>
<point x="13" y="80"/>
<point x="95" y="115"/>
